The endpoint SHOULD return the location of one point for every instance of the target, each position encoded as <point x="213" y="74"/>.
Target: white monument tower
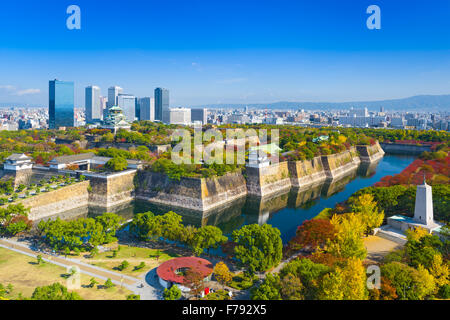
<point x="423" y="211"/>
<point x="423" y="217"/>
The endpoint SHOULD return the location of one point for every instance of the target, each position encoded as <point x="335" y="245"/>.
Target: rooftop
<point x="73" y="158"/>
<point x="168" y="270"/>
<point x="18" y="156"/>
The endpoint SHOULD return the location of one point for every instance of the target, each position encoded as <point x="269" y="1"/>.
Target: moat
<point x="284" y="211"/>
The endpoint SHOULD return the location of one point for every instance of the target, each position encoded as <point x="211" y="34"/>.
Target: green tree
<point x="117" y="164"/>
<point x="39" y="259"/>
<point x="108" y="284"/>
<point x="123" y="265"/>
<point x="174" y="293"/>
<point x="92" y="283"/>
<point x="139" y="266"/>
<point x="258" y="248"/>
<point x="410" y="284"/>
<point x="270" y="289"/>
<point x="206" y="237"/>
<point x="55" y="291"/>
<point x="309" y="273"/>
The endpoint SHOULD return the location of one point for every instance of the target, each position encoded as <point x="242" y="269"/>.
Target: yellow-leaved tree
<point x="416" y="234"/>
<point x="367" y="208"/>
<point x="331" y="286"/>
<point x="426" y="283"/>
<point x="439" y="271"/>
<point x="348" y="241"/>
<point x="355" y="278"/>
<point x="222" y="273"/>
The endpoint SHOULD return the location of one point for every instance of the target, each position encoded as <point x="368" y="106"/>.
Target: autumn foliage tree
<point x="366" y="207"/>
<point x="194" y="281"/>
<point x="222" y="273"/>
<point x="313" y="233"/>
<point x="348" y="242"/>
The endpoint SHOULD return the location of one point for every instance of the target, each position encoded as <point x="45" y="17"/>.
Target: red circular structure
<point x="169" y="270"/>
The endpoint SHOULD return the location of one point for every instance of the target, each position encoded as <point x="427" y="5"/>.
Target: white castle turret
<point x="423" y="211"/>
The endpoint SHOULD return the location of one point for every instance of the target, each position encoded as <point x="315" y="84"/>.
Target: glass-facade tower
<point x="128" y="104"/>
<point x="61" y="104"/>
<point x="94" y="110"/>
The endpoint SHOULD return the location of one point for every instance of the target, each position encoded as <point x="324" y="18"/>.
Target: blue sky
<point x="230" y="51"/>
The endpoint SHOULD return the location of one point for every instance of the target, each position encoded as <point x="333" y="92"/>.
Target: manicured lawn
<point x="25" y="275"/>
<point x="133" y="255"/>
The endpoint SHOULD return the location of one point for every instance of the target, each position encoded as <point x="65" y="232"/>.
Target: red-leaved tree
<point x="313" y="233"/>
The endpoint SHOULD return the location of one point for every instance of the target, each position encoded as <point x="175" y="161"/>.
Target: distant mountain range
<point x="415" y="103"/>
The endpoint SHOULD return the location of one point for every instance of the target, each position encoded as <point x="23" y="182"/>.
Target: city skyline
<point x="258" y="54"/>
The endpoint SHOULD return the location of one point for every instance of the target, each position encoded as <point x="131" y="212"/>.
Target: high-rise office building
<point x="179" y="116"/>
<point x="198" y="114"/>
<point x="113" y="95"/>
<point x="94" y="110"/>
<point x="137" y="109"/>
<point x="147" y="108"/>
<point x="162" y="105"/>
<point x="61" y="104"/>
<point x="127" y="103"/>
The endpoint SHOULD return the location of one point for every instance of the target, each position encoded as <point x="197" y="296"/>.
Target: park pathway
<point x="147" y="292"/>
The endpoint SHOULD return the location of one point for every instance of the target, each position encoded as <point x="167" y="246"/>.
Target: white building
<point x="180" y="116"/>
<point x="17" y="162"/>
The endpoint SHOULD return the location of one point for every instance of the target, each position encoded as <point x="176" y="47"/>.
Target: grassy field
<point x="25" y="275"/>
<point x="134" y="255"/>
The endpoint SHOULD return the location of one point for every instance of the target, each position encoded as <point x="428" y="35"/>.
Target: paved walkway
<point x="147" y="292"/>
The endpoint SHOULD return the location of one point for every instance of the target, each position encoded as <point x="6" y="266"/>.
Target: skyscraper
<point x="198" y="114"/>
<point x="61" y="104"/>
<point x="113" y="94"/>
<point x="128" y="104"/>
<point x="94" y="110"/>
<point x="162" y="105"/>
<point x="147" y="108"/>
